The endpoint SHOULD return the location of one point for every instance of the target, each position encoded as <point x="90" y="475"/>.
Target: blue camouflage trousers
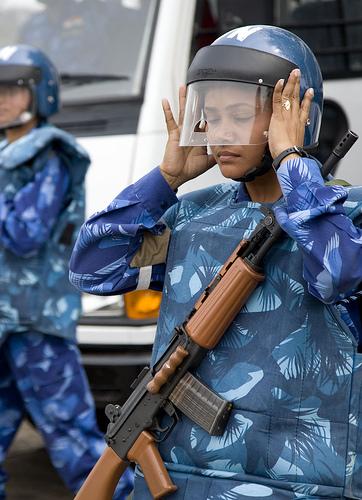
<point x="43" y="376"/>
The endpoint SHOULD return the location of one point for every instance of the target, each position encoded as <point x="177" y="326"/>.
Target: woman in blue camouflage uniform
<point x="290" y="361"/>
<point x="42" y="172"/>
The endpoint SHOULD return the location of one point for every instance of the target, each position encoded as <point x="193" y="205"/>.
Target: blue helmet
<point x="28" y="66"/>
<point x="286" y="46"/>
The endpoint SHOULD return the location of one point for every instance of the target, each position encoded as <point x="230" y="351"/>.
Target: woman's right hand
<point x="180" y="163"/>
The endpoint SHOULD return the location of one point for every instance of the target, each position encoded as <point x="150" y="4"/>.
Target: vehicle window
<point x="99" y="46"/>
<point x="332" y="28"/>
<point x="215" y="17"/>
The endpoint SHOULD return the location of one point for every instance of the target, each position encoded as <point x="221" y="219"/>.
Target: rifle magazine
<point x="202" y="405"/>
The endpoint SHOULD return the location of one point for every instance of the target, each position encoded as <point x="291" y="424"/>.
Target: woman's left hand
<point x="289" y="118"/>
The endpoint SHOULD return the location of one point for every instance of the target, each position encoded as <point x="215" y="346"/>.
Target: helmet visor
<point x="225" y="112"/>
<point x="18" y="74"/>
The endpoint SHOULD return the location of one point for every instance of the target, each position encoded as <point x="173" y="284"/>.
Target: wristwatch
<point x="295" y="150"/>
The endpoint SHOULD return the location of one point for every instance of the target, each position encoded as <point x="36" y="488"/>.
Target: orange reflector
<point x="142" y="304"/>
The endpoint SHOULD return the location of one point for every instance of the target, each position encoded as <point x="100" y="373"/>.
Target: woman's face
<point x="237" y="122"/>
<point x="14" y="100"/>
<point x="236" y="161"/>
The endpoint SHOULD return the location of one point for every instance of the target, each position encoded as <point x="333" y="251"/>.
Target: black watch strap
<point x="294" y="150"/>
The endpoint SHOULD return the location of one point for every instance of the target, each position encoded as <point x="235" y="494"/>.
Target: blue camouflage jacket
<point x="289" y="362"/>
<point x="41" y="209"/>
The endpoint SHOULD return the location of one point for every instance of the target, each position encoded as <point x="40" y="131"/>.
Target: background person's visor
<point x="226" y="112"/>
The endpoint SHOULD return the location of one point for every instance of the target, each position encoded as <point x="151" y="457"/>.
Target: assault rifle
<point x="135" y="428"/>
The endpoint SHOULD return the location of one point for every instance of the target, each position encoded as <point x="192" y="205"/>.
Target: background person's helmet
<point x="259" y="55"/>
<point x="27" y="66"/>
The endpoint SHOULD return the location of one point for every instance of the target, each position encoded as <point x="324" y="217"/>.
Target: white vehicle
<point x="118" y="59"/>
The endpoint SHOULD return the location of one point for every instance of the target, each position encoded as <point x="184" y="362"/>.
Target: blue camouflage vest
<point x="34" y="291"/>
<point x="288" y="363"/>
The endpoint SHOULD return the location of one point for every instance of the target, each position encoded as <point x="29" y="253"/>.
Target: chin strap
<point x="263" y="168"/>
<point x="24" y="118"/>
<point x="267" y="164"/>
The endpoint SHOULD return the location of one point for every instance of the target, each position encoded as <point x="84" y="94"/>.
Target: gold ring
<point x="286" y="104"/>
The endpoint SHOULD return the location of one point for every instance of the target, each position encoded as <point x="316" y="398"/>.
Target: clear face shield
<point x="226" y="113"/>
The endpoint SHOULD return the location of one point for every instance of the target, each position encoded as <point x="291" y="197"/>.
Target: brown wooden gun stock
<point x="103" y="479"/>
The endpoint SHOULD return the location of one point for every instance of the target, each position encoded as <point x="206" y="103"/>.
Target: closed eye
<point x="212" y="118"/>
<point x="244" y="117"/>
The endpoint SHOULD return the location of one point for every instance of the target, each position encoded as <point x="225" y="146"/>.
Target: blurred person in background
<point x="71" y="26"/>
<point x="42" y="170"/>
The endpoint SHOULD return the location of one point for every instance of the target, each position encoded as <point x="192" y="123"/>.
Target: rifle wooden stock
<point x="103" y="478"/>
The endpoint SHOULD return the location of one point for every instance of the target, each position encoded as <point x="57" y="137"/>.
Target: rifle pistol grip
<point x="145" y="453"/>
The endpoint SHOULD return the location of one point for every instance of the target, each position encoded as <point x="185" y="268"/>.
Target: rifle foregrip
<point x="145" y="453"/>
<point x="103" y="478"/>
<point x="167" y="370"/>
